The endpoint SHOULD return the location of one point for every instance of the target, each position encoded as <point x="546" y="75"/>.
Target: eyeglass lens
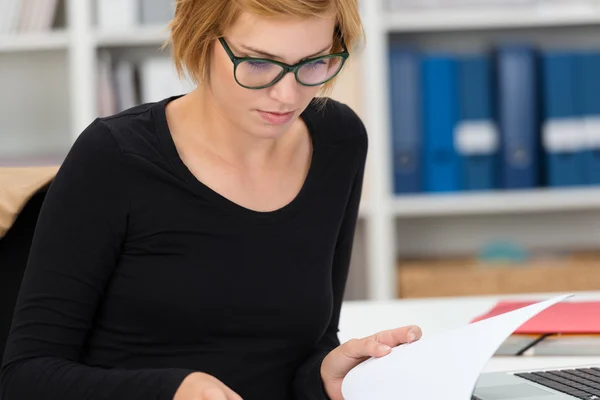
<point x="260" y="73"/>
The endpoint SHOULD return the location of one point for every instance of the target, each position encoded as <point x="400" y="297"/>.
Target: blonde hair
<point x="197" y="23"/>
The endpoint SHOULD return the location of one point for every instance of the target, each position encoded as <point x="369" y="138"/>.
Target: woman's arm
<point x="75" y="249"/>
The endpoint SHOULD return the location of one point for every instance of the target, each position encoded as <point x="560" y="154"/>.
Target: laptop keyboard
<point x="581" y="383"/>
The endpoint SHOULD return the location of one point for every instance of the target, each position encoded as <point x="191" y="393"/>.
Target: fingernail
<point x="411" y="336"/>
<point x="383" y="347"/>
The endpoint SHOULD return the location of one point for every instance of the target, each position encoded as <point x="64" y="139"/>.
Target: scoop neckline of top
<point x="199" y="187"/>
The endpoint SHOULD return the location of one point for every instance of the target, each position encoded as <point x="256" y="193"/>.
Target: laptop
<point x="543" y="384"/>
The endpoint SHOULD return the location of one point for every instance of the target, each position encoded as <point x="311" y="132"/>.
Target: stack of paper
<point x="427" y="368"/>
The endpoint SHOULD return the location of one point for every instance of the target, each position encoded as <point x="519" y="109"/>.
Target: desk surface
<point x="437" y="315"/>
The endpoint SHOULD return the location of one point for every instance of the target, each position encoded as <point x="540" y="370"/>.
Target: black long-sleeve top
<point x="139" y="274"/>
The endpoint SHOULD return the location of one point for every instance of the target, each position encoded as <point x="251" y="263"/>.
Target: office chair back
<point x="14" y="251"/>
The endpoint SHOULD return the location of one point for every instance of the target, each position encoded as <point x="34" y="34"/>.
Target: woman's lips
<point x="276" y="118"/>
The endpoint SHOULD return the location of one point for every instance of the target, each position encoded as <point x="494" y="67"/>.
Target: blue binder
<point x="563" y="125"/>
<point x="440" y="116"/>
<point x="405" y="93"/>
<point x="518" y="116"/>
<point x="590" y="83"/>
<point x="477" y="141"/>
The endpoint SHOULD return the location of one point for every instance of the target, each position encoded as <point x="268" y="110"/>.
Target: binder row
<point x="21" y="16"/>
<point x="515" y="117"/>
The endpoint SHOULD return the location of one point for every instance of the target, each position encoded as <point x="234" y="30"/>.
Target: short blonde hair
<point x="197" y="23"/>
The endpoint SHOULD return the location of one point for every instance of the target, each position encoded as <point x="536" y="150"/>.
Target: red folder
<point x="574" y="317"/>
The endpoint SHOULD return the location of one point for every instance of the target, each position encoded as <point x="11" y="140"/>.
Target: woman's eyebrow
<point x="269" y="55"/>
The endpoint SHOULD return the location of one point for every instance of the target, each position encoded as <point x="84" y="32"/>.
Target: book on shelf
<point x="27" y="16"/>
<point x="123" y="83"/>
<point x="105" y="85"/>
<point x="9" y="16"/>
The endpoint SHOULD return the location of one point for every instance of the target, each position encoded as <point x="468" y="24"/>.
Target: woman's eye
<point x="258" y="64"/>
<point x="317" y="63"/>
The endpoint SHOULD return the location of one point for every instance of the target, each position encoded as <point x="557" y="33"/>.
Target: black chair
<point x="14" y="251"/>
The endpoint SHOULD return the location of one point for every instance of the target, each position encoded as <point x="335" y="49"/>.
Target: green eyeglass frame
<point x="286" y="67"/>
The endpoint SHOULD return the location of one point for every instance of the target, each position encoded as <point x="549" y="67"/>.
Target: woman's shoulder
<point x="134" y="130"/>
<point x="338" y="121"/>
<point x="110" y="148"/>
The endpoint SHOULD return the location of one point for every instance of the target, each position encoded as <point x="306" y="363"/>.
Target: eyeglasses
<point x="260" y="73"/>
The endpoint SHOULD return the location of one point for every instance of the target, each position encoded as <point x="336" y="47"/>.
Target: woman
<point x="198" y="247"/>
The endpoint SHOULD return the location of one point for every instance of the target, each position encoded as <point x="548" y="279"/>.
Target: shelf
<point x="54" y="40"/>
<point x="521" y="201"/>
<point x="140" y="36"/>
<point x="490" y="18"/>
<point x="32" y="160"/>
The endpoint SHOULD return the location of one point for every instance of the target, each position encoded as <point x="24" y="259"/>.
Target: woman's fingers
<point x="380" y="344"/>
<point x="364" y="348"/>
<point x="220" y="393"/>
<point x="353" y="352"/>
<point x="214" y="393"/>
<point x="398" y="336"/>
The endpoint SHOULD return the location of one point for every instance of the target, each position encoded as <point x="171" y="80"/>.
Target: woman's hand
<point x="342" y="359"/>
<point x="201" y="386"/>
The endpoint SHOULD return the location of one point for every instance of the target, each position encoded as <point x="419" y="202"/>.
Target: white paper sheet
<point x="445" y="366"/>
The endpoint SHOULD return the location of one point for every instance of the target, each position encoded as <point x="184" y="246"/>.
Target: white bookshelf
<point x="497" y="203"/>
<point x="438" y="224"/>
<point x="56" y="40"/>
<point x="140" y="36"/>
<point x="61" y="67"/>
<point x="555" y="15"/>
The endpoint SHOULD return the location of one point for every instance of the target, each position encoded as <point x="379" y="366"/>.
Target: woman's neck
<point x="198" y="123"/>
